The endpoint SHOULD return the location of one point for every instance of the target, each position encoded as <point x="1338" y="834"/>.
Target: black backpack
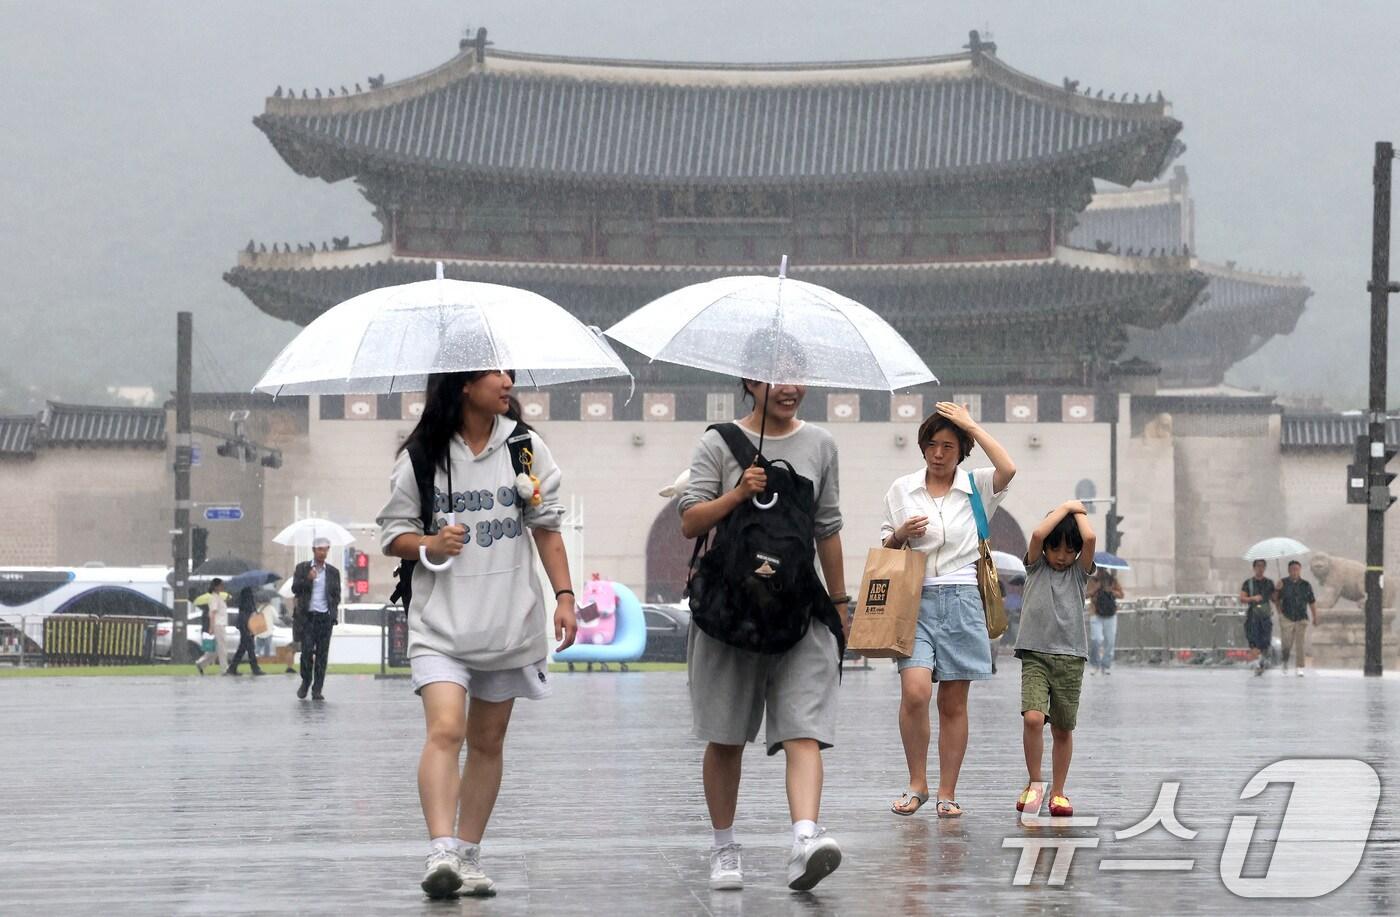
<point x="756" y="587"/>
<point x="517" y="443"/>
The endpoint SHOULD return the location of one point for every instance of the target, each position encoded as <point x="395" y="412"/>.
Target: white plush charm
<point x="524" y="486"/>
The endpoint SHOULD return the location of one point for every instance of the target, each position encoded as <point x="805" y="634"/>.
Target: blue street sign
<point x="223" y="513"/>
<point x="196" y="454"/>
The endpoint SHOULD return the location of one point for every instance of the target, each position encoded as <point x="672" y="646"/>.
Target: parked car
<point x="668" y="626"/>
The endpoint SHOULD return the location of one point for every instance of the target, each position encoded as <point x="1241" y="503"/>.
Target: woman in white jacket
<point x="478" y="627"/>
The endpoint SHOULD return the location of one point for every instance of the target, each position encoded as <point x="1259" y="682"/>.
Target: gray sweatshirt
<point x="487" y="610"/>
<point x="810" y="449"/>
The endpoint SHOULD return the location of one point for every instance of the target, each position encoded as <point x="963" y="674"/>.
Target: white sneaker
<point x="726" y="868"/>
<point x="442" y="873"/>
<point x="474" y="881"/>
<point x="1298" y="672"/>
<point x="813" y="859"/>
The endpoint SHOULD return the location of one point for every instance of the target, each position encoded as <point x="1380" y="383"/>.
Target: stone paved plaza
<point x="224" y="796"/>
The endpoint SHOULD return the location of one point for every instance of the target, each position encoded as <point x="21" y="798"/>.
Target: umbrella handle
<point x="771" y="502"/>
<point x="423" y="551"/>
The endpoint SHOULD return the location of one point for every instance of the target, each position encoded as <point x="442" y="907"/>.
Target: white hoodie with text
<point x="487" y="609"/>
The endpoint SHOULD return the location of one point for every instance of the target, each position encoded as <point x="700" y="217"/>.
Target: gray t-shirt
<point x="1052" y="610"/>
<point x="810" y="450"/>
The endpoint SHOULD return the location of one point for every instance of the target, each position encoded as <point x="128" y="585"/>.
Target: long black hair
<point x="442" y="413"/>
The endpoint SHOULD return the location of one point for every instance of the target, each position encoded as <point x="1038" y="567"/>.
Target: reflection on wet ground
<point x="228" y="795"/>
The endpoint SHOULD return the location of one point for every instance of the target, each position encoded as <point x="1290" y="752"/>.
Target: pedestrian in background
<point x="217" y="612"/>
<point x="1257" y="595"/>
<point x="247" y="607"/>
<point x="316" y="586"/>
<point x="1103" y="594"/>
<point x="1295" y="602"/>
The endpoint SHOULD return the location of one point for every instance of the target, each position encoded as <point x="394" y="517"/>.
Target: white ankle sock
<point x="803" y="828"/>
<point x="725" y="837"/>
<point x="446" y="843"/>
<point x="466" y="846"/>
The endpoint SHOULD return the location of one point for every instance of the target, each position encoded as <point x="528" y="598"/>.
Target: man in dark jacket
<point x="247" y="607"/>
<point x="316" y="586"/>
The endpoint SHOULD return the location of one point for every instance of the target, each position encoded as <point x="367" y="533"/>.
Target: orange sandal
<point x="1060" y="807"/>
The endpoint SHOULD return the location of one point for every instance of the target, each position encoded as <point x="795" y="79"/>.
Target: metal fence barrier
<point x="1191" y="629"/>
<point x="91" y="640"/>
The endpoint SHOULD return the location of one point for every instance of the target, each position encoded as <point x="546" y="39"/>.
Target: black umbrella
<point x="228" y="565"/>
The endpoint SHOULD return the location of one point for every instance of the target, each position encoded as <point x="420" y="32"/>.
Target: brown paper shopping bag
<point x="887" y="606"/>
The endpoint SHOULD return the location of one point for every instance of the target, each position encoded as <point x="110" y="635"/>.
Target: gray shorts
<point x="732" y="689"/>
<point x="491" y="685"/>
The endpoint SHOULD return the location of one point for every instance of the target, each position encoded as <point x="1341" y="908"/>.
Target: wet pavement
<point x="222" y="795"/>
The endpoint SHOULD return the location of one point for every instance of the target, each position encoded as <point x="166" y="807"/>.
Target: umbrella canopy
<point x="391" y="339"/>
<point x="1276" y="549"/>
<point x="228" y="565"/>
<point x="304" y="532"/>
<point x="1107" y="561"/>
<point x="1008" y="563"/>
<point x="776" y="330"/>
<point x="254" y="578"/>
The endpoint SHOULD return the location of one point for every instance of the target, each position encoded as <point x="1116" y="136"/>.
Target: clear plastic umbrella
<point x="393" y="338"/>
<point x="774" y="329"/>
<point x="303" y="534"/>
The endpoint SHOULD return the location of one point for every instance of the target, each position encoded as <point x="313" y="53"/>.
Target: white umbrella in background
<point x="393" y="338"/>
<point x="303" y="534"/>
<point x="1009" y="564"/>
<point x="1276" y="549"/>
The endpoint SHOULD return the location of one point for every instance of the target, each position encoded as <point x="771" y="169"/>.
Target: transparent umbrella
<point x="776" y="330"/>
<point x="393" y="338"/>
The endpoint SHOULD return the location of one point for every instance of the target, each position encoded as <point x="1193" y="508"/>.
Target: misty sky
<point x="133" y="174"/>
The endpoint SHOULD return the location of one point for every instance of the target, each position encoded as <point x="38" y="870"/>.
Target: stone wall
<point x="71" y="506"/>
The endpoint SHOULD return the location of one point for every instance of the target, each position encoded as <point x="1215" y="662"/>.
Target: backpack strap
<point x="739" y="444"/>
<point x="978" y="511"/>
<point x="518" y="442"/>
<point x="423" y="476"/>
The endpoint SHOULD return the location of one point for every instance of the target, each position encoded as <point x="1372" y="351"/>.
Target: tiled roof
<point x="17" y="434"/>
<point x="1330" y="431"/>
<point x="1158" y="225"/>
<point x="88" y="425"/>
<point x="526" y="116"/>
<point x="1140" y="291"/>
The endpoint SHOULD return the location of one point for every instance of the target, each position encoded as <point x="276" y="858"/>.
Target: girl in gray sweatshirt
<point x="478" y="627"/>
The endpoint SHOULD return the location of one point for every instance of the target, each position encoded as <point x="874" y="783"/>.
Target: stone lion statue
<point x="1339" y="578"/>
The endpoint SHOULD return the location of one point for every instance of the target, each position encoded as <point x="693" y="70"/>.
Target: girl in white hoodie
<point x="478" y="626"/>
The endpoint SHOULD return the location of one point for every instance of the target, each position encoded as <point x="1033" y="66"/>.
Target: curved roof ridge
<point x="1229" y="270"/>
<point x="702" y="74"/>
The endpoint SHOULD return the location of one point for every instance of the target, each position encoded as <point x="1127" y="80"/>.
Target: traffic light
<point x="1361" y="488"/>
<point x="358" y="562"/>
<point x="1112" y="534"/>
<point x="1380" y="489"/>
<point x="199" y="545"/>
<point x="228" y="449"/>
<point x="272" y="460"/>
